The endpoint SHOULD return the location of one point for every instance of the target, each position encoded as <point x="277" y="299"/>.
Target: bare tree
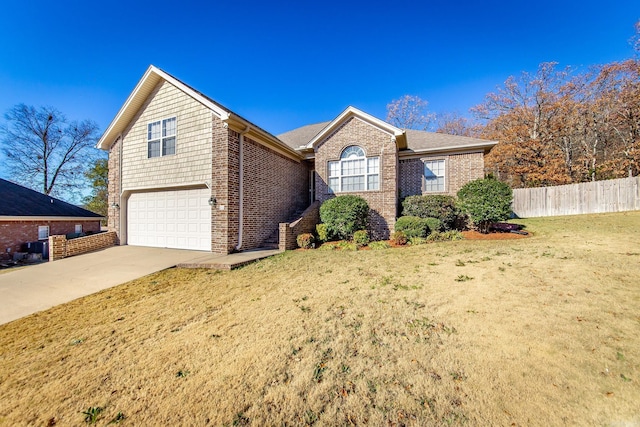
<point x="46" y="152"/>
<point x="409" y="112"/>
<point x="455" y="124"/>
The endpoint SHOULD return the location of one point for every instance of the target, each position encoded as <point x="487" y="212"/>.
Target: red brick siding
<point x="60" y="247"/>
<point x="289" y="232"/>
<point x="460" y="169"/>
<point x="114" y="187"/>
<point x="375" y="142"/>
<point x="463" y="168"/>
<point x="14" y="233"/>
<point x="220" y="227"/>
<point x="275" y="187"/>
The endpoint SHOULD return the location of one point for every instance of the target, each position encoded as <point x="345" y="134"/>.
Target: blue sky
<point x="287" y="64"/>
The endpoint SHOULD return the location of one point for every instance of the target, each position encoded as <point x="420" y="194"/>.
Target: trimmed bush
<point x="443" y="236"/>
<point x="305" y="240"/>
<point x="413" y="226"/>
<point x="361" y="238"/>
<point x="344" y="215"/>
<point x="415" y="241"/>
<point x="485" y="201"/>
<point x="347" y="246"/>
<point x="433" y="206"/>
<point x="434" y="224"/>
<point x="321" y="233"/>
<point x="379" y="245"/>
<point x="399" y="238"/>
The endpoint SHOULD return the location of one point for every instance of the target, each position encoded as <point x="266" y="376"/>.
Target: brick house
<point x="186" y="172"/>
<point x="30" y="216"/>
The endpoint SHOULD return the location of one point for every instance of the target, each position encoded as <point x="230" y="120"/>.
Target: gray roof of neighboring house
<point x="16" y="200"/>
<point x="417" y="140"/>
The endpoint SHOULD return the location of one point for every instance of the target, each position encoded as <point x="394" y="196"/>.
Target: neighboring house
<point x="29" y="216"/>
<point x="186" y="172"/>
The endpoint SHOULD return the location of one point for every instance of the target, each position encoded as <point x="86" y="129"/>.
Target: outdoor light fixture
<point x="115" y="205"/>
<point x="212" y="201"/>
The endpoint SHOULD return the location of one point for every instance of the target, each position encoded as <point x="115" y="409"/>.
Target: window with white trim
<point x="354" y="171"/>
<point x="78" y="228"/>
<point x="434" y="175"/>
<point x="43" y="232"/>
<point x="161" y="137"/>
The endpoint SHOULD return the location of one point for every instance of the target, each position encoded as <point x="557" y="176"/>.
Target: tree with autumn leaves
<point x="555" y="126"/>
<point x="559" y="127"/>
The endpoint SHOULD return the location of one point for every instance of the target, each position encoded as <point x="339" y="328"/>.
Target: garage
<point x="179" y="219"/>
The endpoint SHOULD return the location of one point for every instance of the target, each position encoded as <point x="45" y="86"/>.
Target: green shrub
<point x="361" y="238"/>
<point x="305" y="240"/>
<point x="345" y="245"/>
<point x="434" y="224"/>
<point x="443" y="236"/>
<point x="328" y="246"/>
<point x="415" y="241"/>
<point x="399" y="238"/>
<point x="485" y="201"/>
<point x="379" y="245"/>
<point x="321" y="233"/>
<point x="413" y="226"/>
<point x="433" y="206"/>
<point x="344" y="215"/>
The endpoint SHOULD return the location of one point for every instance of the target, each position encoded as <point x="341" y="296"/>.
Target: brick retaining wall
<point x="60" y="247"/>
<point x="305" y="224"/>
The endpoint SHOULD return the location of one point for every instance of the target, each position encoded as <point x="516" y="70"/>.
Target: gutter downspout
<point x="241" y="187"/>
<point x="120" y="218"/>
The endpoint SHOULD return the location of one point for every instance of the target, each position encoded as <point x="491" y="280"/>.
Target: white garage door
<point x="170" y="219"/>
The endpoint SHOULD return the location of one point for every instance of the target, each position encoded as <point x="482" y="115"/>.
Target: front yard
<point x="535" y="331"/>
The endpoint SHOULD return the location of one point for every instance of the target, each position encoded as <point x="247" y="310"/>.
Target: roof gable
<point x="145" y="87"/>
<point x="140" y="93"/>
<point x="397" y="133"/>
<point x="19" y="201"/>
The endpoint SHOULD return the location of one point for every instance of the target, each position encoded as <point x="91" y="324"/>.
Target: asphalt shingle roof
<point x="302" y="135"/>
<point x="417" y="140"/>
<point x="16" y="200"/>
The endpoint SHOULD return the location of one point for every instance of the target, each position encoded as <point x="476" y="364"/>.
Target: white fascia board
<point x="454" y="148"/>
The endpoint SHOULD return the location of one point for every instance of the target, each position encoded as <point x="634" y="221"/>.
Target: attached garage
<point x="179" y="219"/>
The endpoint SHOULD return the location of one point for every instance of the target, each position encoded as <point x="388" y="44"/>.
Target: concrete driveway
<point x="39" y="287"/>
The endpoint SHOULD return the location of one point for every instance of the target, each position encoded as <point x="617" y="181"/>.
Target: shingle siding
<point x="192" y="161"/>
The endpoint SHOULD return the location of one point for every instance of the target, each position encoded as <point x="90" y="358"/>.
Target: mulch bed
<point x="475" y="235"/>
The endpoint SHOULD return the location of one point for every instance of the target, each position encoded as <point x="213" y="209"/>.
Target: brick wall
<point x="60" y="247"/>
<point x="460" y="169"/>
<point x="220" y="232"/>
<point x="275" y="187"/>
<point x="114" y="187"/>
<point x="14" y="233"/>
<point x="289" y="232"/>
<point x="375" y="142"/>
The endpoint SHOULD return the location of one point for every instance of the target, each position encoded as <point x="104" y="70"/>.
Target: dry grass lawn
<point x="537" y="331"/>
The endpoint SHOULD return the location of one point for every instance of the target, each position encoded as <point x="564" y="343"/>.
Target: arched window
<point x="354" y="171"/>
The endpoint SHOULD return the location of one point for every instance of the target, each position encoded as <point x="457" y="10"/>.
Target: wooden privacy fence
<point x="615" y="195"/>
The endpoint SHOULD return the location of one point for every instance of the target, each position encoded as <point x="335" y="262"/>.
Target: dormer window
<point x="354" y="171"/>
<point x="161" y="137"/>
